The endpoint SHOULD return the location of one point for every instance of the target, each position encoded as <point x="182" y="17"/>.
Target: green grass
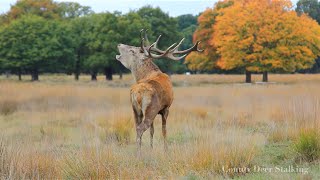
<point x="307" y="146"/>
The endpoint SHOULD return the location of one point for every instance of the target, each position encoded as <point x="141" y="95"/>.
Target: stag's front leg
<point x="164" y="115"/>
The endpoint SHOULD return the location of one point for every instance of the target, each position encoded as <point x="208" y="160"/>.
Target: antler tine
<point x="146" y="37"/>
<point x="141" y="31"/>
<point x="143" y="48"/>
<point x="156" y="43"/>
<point x="193" y="48"/>
<point x="163" y="53"/>
<point x="176" y="48"/>
<point x="170" y="56"/>
<point x="142" y="40"/>
<point x="154" y="46"/>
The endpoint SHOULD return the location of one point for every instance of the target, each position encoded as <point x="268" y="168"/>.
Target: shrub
<point x="307" y="145"/>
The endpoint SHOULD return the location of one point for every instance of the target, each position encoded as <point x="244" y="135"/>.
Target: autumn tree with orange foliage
<point x="206" y="60"/>
<point x="264" y="36"/>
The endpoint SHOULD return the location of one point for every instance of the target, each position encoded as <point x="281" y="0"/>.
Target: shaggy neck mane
<point x="144" y="70"/>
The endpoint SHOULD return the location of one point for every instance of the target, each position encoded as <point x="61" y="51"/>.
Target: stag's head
<point x="131" y="55"/>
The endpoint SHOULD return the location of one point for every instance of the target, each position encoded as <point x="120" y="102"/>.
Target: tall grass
<point x="307" y="145"/>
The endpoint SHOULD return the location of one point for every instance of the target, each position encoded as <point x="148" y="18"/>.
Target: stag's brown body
<point x="152" y="94"/>
<point x="154" y="90"/>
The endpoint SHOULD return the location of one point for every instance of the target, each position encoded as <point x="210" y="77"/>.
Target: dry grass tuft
<point x="90" y="163"/>
<point x="122" y="129"/>
<point x="39" y="165"/>
<point x="222" y="159"/>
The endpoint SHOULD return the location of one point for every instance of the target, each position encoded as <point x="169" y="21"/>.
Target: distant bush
<point x="307" y="145"/>
<point x="8" y="107"/>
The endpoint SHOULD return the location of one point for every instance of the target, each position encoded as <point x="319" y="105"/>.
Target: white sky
<point x="173" y="7"/>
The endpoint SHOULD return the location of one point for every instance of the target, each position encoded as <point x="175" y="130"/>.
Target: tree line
<point x="66" y="37"/>
<point x="238" y="36"/>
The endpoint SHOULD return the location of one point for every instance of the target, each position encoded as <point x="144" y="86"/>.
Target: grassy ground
<point x="217" y="128"/>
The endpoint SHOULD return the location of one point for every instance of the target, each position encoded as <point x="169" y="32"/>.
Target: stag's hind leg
<point x="151" y="134"/>
<point x="150" y="113"/>
<point x="164" y="113"/>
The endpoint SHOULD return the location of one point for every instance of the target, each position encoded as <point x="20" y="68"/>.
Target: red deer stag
<point x="152" y="94"/>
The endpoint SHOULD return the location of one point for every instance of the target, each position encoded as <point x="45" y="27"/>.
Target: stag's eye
<point x="132" y="51"/>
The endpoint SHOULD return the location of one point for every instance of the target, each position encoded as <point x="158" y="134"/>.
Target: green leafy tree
<point x="185" y="21"/>
<point x="309" y="7"/>
<point x="70" y="10"/>
<point x="187" y="25"/>
<point x="102" y="45"/>
<point x="81" y="29"/>
<point x="32" y="43"/>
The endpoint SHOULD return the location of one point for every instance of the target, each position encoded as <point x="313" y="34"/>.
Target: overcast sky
<point x="173" y="7"/>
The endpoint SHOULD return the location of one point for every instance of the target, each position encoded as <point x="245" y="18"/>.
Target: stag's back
<point x="155" y="89"/>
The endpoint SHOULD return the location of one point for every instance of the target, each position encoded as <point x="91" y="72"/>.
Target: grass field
<point x="218" y="127"/>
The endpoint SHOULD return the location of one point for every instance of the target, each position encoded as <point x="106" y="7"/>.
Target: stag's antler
<point x="169" y="53"/>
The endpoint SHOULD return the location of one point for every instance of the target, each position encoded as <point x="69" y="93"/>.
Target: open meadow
<point x="218" y="127"/>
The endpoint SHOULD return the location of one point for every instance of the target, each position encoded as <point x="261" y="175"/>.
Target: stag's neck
<point x="144" y="70"/>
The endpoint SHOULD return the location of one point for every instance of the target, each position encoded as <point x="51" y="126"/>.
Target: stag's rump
<point x="156" y="91"/>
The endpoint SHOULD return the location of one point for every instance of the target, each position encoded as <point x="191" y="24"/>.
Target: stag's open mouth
<point x="118" y="57"/>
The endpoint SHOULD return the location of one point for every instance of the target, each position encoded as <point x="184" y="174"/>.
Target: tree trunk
<point x="7" y="74"/>
<point x="248" y="76"/>
<point x="120" y="74"/>
<point x="108" y="73"/>
<point x="19" y="74"/>
<point x="94" y="76"/>
<point x="77" y="70"/>
<point x="35" y="75"/>
<point x="265" y="76"/>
